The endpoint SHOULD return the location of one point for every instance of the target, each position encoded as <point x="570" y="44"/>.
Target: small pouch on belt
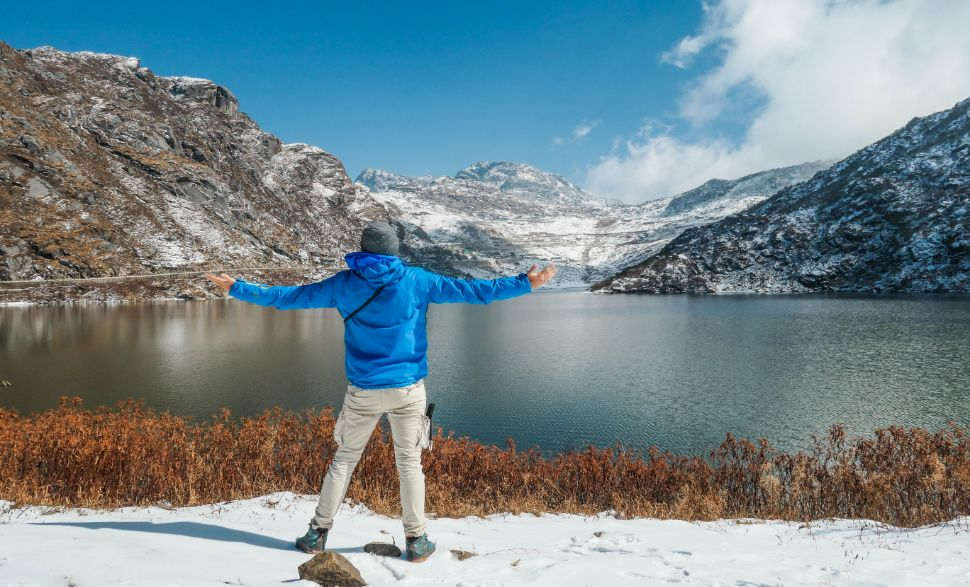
<point x="426" y="428"/>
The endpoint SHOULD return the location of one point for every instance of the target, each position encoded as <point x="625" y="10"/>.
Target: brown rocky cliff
<point x="107" y="169"/>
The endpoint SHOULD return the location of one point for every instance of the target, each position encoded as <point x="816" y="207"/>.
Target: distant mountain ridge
<point x="494" y="218"/>
<point x="892" y="217"/>
<point x="762" y="182"/>
<point x="517" y="179"/>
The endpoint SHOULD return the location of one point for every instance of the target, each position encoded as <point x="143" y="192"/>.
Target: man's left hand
<point x="223" y="281"/>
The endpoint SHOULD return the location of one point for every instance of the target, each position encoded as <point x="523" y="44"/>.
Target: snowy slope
<point x="497" y="218"/>
<point x="745" y="191"/>
<point x="894" y="216"/>
<point x="249" y="543"/>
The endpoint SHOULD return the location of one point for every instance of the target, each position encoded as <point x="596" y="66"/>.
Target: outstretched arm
<point x="444" y="290"/>
<point x="283" y="297"/>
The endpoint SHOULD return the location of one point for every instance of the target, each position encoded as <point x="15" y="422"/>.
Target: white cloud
<point x="580" y="132"/>
<point x="584" y="128"/>
<point x="830" y="77"/>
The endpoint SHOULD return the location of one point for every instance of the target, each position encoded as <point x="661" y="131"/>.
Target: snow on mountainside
<point x="745" y="191"/>
<point x="107" y="169"/>
<point x="894" y="216"/>
<point x="497" y="218"/>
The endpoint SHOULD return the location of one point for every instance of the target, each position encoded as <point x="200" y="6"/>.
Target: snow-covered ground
<point x="249" y="542"/>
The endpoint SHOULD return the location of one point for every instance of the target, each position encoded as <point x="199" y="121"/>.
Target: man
<point x="384" y="304"/>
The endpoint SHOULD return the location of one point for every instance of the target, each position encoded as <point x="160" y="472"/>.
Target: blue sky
<point x="632" y="100"/>
<point x="427" y="88"/>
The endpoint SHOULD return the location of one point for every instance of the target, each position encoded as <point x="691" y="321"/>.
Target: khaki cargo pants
<point x="410" y="429"/>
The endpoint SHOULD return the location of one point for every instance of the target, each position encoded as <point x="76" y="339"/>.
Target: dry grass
<point x="131" y="455"/>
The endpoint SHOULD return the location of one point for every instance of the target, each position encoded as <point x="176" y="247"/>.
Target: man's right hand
<point x="223" y="281"/>
<point x="539" y="278"/>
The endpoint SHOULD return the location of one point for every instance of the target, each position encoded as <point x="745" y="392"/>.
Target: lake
<point x="557" y="370"/>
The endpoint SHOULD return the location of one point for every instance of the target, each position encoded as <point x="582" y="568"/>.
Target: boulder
<point x="331" y="569"/>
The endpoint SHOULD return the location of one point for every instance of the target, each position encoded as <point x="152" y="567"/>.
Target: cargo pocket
<point x="338" y="428"/>
<point x="425" y="440"/>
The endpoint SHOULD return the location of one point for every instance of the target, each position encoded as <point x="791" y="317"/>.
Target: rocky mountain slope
<point x="107" y="169"/>
<point x="497" y="218"/>
<point x="894" y="216"/>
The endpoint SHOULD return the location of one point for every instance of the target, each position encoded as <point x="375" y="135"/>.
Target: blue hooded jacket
<point x="386" y="342"/>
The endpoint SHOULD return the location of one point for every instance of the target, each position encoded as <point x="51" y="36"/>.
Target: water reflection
<point x="558" y="370"/>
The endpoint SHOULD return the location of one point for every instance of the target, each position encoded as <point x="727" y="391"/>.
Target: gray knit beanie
<point x="380" y="238"/>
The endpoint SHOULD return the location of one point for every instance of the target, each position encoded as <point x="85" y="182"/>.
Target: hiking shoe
<point x="418" y="548"/>
<point x="313" y="541"/>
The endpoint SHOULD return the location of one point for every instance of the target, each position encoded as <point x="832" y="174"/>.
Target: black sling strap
<point x="364" y="305"/>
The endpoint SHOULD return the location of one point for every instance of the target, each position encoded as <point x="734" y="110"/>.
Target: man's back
<point x="386" y="341"/>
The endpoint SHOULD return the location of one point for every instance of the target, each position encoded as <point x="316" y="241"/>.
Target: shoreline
<point x="132" y="455"/>
<point x="198" y="294"/>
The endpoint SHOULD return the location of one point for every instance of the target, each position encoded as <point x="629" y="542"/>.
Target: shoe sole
<point x="309" y="550"/>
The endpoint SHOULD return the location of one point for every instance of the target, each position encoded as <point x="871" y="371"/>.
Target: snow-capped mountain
<point x="107" y="169"/>
<point x="525" y="181"/>
<point x="894" y="216"/>
<point x="497" y="218"/>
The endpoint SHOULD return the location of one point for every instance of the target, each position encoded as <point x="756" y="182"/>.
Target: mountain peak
<point x="491" y="170"/>
<point x="522" y="179"/>
<point x="49" y="54"/>
<point x="184" y="88"/>
<point x="380" y="180"/>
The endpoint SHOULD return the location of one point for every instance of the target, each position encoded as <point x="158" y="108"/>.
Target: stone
<point x="37" y="189"/>
<point x="30" y="143"/>
<point x="331" y="569"/>
<point x="383" y="549"/>
<point x="463" y="554"/>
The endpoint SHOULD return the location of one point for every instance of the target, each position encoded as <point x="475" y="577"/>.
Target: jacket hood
<point x="376" y="269"/>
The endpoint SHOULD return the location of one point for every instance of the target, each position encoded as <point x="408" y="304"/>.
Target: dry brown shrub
<point x="131" y="455"/>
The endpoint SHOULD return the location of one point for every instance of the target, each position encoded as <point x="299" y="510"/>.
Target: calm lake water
<point x="557" y="370"/>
